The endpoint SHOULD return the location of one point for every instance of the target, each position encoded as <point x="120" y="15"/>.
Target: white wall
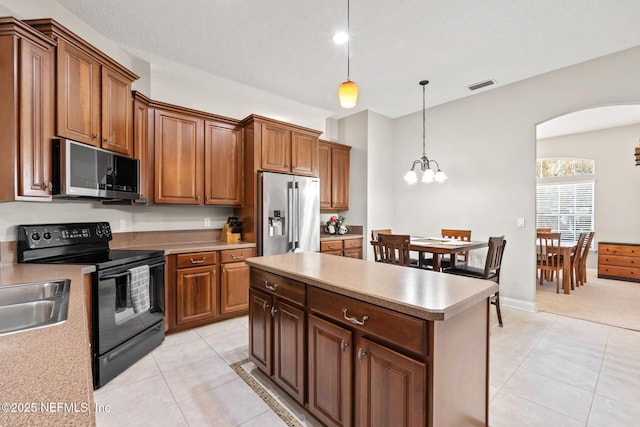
<point x="486" y="144"/>
<point x="617" y="179"/>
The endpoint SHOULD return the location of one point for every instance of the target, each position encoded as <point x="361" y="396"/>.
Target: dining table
<point x="439" y="246"/>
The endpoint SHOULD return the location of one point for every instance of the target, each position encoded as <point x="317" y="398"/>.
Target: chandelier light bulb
<point x="411" y="177"/>
<point x="440" y="176"/>
<point x="428" y="175"/>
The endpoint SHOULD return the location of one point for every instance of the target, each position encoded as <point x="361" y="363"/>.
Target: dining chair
<point x="463" y="257"/>
<point x="581" y="266"/>
<point x="394" y="249"/>
<point x="548" y="258"/>
<point x="543" y="230"/>
<point x="575" y="255"/>
<point x="374" y="241"/>
<point x="491" y="270"/>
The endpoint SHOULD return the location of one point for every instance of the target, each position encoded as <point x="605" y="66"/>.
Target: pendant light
<point x="348" y="91"/>
<point x="428" y="175"/>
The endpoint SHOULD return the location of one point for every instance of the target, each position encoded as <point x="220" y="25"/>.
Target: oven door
<point x="115" y="323"/>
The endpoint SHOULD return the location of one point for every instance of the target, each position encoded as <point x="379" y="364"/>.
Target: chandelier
<point x="428" y="175"/>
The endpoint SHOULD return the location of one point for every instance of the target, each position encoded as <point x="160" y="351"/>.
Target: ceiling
<point x="284" y="46"/>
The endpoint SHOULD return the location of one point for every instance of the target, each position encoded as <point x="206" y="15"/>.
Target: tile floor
<point x="546" y="370"/>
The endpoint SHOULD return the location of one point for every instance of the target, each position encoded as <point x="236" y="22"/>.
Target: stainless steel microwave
<point x="80" y="170"/>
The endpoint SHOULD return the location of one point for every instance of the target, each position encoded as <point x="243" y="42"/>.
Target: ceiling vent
<point x="480" y="85"/>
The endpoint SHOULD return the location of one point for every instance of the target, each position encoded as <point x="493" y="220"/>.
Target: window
<point x="566" y="208"/>
<point x="548" y="168"/>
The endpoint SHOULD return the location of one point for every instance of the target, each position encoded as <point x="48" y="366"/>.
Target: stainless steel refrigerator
<point x="289" y="214"/>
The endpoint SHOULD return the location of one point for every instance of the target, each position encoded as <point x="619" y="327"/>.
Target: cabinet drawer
<point x="338" y="252"/>
<point x="283" y="287"/>
<point x="605" y="249"/>
<point x="352" y="243"/>
<point x="196" y="259"/>
<point x="390" y="326"/>
<point x="332" y="245"/>
<point x="617" y="260"/>
<point x="236" y="255"/>
<point x="626" y="272"/>
<point x="353" y="253"/>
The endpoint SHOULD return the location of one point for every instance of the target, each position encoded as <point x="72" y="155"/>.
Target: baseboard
<point x="518" y="303"/>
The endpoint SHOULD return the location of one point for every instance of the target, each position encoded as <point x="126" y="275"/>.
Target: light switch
<point x="520" y="223"/>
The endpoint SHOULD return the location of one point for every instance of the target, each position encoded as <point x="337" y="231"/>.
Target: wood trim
<point x="266" y="120"/>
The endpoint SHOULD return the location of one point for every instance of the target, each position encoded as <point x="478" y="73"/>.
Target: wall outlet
<point x="123" y="225"/>
<point x="520" y="223"/>
<point x="207" y="222"/>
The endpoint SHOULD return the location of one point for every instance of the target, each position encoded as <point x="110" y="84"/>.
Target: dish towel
<point x="138" y="289"/>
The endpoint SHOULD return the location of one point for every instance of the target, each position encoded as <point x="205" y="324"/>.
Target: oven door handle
<point x="124" y="273"/>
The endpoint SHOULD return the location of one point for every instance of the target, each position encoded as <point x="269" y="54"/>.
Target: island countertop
<point x="424" y="294"/>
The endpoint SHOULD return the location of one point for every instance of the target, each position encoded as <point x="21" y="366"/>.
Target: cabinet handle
<point x="50" y="186"/>
<point x="264" y="306"/>
<point x="197" y="261"/>
<point x="198" y="197"/>
<point x="361" y="354"/>
<point x="237" y="256"/>
<point x="271" y="287"/>
<point x="273" y="311"/>
<point x="353" y="319"/>
<point x="344" y="345"/>
<point x="95" y="136"/>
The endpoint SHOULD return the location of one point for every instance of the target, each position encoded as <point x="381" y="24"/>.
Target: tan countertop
<point x="182" y="248"/>
<point x="421" y="293"/>
<point x="44" y="369"/>
<point x="326" y="237"/>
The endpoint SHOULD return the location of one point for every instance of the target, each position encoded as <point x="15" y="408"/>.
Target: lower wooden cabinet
<point x="288" y="349"/>
<point x="203" y="287"/>
<point x="351" y="248"/>
<point x="619" y="261"/>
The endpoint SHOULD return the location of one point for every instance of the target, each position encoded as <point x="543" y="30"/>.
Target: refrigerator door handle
<point x="290" y="219"/>
<point x="296" y="236"/>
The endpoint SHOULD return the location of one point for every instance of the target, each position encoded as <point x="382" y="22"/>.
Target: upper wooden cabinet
<point x="143" y="145"/>
<point x="198" y="156"/>
<point x="26" y="111"/>
<point x="93" y="92"/>
<point x="223" y="158"/>
<point x="334" y="160"/>
<point x="179" y="149"/>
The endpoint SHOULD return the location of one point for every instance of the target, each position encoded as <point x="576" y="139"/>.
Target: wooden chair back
<point x="394" y="248"/>
<point x="464" y="235"/>
<point x="581" y="267"/>
<point x="494" y="258"/>
<point x="374" y="241"/>
<point x="548" y="258"/>
<point x="543" y="230"/>
<point x="575" y="257"/>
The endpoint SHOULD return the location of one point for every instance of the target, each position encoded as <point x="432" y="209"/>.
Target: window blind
<point x="565" y="208"/>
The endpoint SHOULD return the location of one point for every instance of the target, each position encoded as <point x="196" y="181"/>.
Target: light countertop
<point x="182" y="248"/>
<point x="50" y="366"/>
<point x="421" y="293"/>
<point x="324" y="237"/>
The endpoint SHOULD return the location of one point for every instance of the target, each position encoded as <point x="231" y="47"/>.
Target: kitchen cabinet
<point x="143" y="145"/>
<point x="198" y="157"/>
<point x="223" y="160"/>
<point x="93" y="92"/>
<point x="196" y="290"/>
<point x="277" y="339"/>
<point x="271" y="145"/>
<point x="234" y="280"/>
<point x="333" y="171"/>
<point x="351" y="248"/>
<point x="26" y="84"/>
<point x="619" y="261"/>
<point x="179" y="149"/>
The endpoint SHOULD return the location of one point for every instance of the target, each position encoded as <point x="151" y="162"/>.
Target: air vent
<point x="480" y="85"/>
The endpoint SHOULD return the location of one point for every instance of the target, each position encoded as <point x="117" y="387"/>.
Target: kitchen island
<point x="364" y="343"/>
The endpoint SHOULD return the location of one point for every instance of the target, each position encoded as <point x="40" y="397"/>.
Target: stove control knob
<point x="35" y="236"/>
<point x="46" y="235"/>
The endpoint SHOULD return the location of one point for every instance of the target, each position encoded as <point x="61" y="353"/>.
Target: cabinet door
<point x="36" y="126"/>
<point x="78" y="95"/>
<point x="340" y="178"/>
<point x="116" y="112"/>
<point x="179" y="146"/>
<point x="288" y="349"/>
<point x="276" y="149"/>
<point x="196" y="294"/>
<point x="260" y="332"/>
<point x="223" y="165"/>
<point x="390" y="387"/>
<point x="143" y="146"/>
<point x="304" y="154"/>
<point x="324" y="174"/>
<point x="330" y="372"/>
<point x="234" y="287"/>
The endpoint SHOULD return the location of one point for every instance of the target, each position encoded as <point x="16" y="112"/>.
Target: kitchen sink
<point x="33" y="305"/>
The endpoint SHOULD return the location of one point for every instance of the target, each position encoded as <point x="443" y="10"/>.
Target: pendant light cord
<point x="424" y="132"/>
<point x="348" y="39"/>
